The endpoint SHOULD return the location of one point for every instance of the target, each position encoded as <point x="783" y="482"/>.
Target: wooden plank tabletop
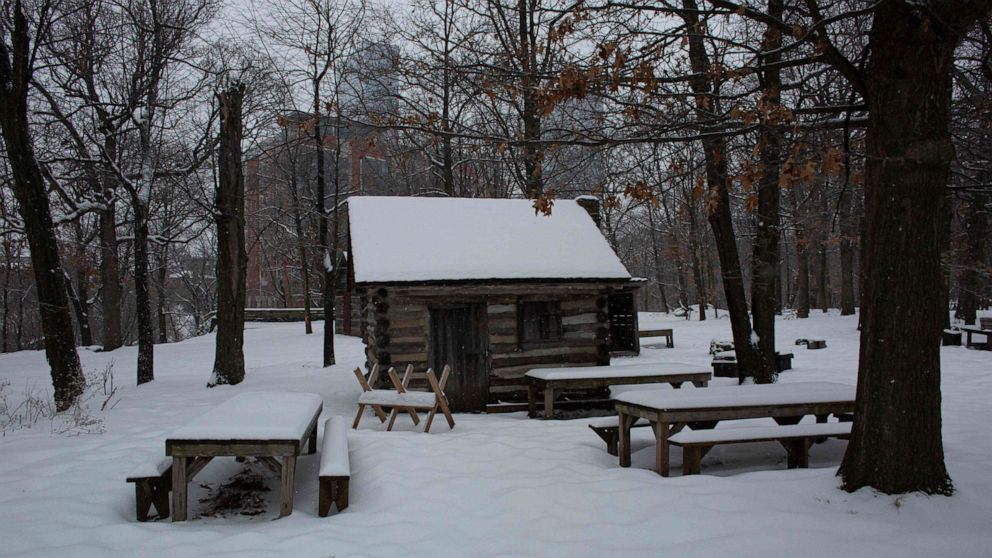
<point x="252" y="416"/>
<point x="793" y="393"/>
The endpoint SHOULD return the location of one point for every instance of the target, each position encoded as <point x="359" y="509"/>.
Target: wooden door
<point x="623" y="323"/>
<point x="458" y="340"/>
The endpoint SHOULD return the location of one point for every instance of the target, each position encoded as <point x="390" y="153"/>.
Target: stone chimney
<point x="591" y="205"/>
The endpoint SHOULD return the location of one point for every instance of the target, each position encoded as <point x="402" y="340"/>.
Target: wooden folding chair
<point x="367" y="386"/>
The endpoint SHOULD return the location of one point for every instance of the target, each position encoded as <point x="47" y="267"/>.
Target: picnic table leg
<point x="288" y="472"/>
<point x="178" y="488"/>
<point x="549" y="401"/>
<point x="701" y="383"/>
<point x="623" y="444"/>
<point x="312" y="441"/>
<point x="661" y="447"/>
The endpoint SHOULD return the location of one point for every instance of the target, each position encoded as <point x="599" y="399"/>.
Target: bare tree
<point x="17" y="59"/>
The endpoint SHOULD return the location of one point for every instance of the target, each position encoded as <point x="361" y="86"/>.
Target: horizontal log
<point x="540" y="361"/>
<point x="400" y="340"/>
<point x="560" y="347"/>
<point x="501" y="309"/>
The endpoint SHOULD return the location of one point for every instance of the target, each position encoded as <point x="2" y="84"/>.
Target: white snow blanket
<point x="254" y="416"/>
<point x="497" y="485"/>
<point x="738" y="396"/>
<point x="617" y="371"/>
<point x="401" y="239"/>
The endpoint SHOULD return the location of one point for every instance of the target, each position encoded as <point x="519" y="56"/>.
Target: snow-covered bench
<point x="608" y="428"/>
<point x="152" y="482"/>
<point x="668" y="334"/>
<point x="796" y="438"/>
<point x="335" y="468"/>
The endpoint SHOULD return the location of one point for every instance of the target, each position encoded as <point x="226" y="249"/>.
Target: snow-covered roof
<point x="404" y="239"/>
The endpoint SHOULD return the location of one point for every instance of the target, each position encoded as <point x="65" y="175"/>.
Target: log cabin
<point x="488" y="287"/>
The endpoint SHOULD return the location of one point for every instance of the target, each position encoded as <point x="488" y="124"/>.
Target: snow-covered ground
<point x="496" y="485"/>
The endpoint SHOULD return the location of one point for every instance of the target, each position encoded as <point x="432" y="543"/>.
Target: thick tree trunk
<point x="232" y="255"/>
<point x="896" y="443"/>
<point x="29" y="189"/>
<point x="764" y="300"/>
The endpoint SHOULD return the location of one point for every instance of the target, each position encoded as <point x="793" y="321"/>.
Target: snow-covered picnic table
<point x="266" y="425"/>
<point x="670" y="411"/>
<point x="590" y="377"/>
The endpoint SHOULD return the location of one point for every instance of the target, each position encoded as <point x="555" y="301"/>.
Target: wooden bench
<point x="608" y="428"/>
<point x="152" y="484"/>
<point x="335" y="467"/>
<point x="796" y="438"/>
<point x="668" y="334"/>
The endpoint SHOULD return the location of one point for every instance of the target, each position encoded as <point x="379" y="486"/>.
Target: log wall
<point x="397" y="322"/>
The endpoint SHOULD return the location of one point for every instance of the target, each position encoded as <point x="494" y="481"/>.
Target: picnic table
<point x="271" y="426"/>
<point x="590" y="377"/>
<point x="670" y="411"/>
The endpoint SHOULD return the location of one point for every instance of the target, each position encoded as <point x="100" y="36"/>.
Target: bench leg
<point x="160" y="496"/>
<point x="287" y="485"/>
<point x="312" y="441"/>
<point x="661" y="448"/>
<point x="549" y="401"/>
<point x="143" y="498"/>
<point x="700" y="383"/>
<point x="692" y="457"/>
<point x="341" y="493"/>
<point x="358" y="416"/>
<point x="179" y="488"/>
<point x="623" y="440"/>
<point x="798" y="453"/>
<point x="325" y="497"/>
<point x="333" y="490"/>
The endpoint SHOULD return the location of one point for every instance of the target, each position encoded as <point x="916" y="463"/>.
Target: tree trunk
<point x="764" y="301"/>
<point x="232" y="255"/>
<point x="718" y="200"/>
<point x="142" y="294"/>
<point x="802" y="262"/>
<point x="822" y="275"/>
<point x="160" y="300"/>
<point x="301" y="246"/>
<point x="80" y="292"/>
<point x="29" y="189"/>
<point x="970" y="283"/>
<point x="659" y="276"/>
<point x="896" y="443"/>
<point x="110" y="278"/>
